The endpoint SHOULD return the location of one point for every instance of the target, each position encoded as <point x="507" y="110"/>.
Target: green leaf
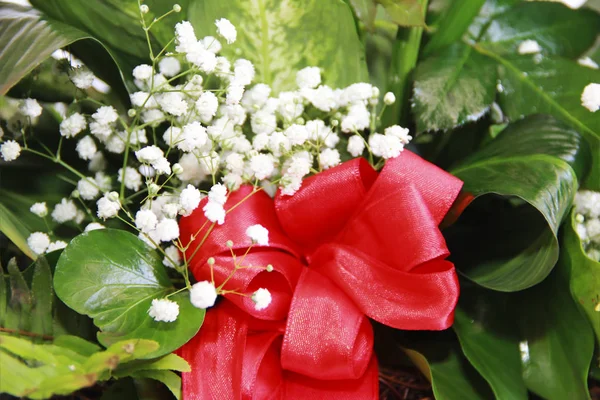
<point x="26" y="349"/>
<point x="20" y="299"/>
<point x="112" y="276"/>
<point x="451" y="375"/>
<point x="404" y="12"/>
<point x="489" y="10"/>
<point x="553" y="86"/>
<point x="524" y="181"/>
<point x="3" y="297"/>
<point x="17" y="378"/>
<point x="169" y="378"/>
<point x="558" y="29"/>
<point x="13" y="228"/>
<point x="281" y="38"/>
<point x="453" y="24"/>
<point x="453" y="87"/>
<point x="76" y="344"/>
<point x="583" y="275"/>
<point x="27" y="40"/>
<point x="488" y="338"/>
<point x="43" y="295"/>
<point x="365" y="11"/>
<point x="557" y="342"/>
<point x="169" y="362"/>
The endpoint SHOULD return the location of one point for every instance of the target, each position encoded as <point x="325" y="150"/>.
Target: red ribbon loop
<point x="339" y="342"/>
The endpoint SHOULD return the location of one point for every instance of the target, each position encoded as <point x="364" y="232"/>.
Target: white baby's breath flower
<point x="162" y="166"/>
<point x="39" y="209"/>
<point x="587" y="62"/>
<point x="234" y="94"/>
<point x="57" y="245"/>
<point x="211" y="44"/>
<point x="133" y="179"/>
<point x="10" y="150"/>
<point x="590" y="97"/>
<point x="262" y="166"/>
<point x="167" y="230"/>
<point x="296" y="134"/>
<point x="30" y="108"/>
<point x="64" y="211"/>
<point x="105" y="115"/>
<point x="149" y="154"/>
<point x="72" y="125"/>
<point x="108" y="208"/>
<point x="173" y="103"/>
<point x="189" y="199"/>
<point x="329" y="158"/>
<point x="86" y="148"/>
<point x="169" y="66"/>
<point x="94" y="226"/>
<point x="164" y="310"/>
<point x="172" y="136"/>
<point x="529" y="47"/>
<point x="358" y="118"/>
<point x="308" y="78"/>
<point x="258" y="234"/>
<point x="218" y="194"/>
<point x="232" y="181"/>
<point x="226" y="30"/>
<point x="214" y="212"/>
<point x="385" y="146"/>
<point x="103" y="181"/>
<point x="323" y="98"/>
<point x="243" y="72"/>
<point x="574" y="4"/>
<point x="399" y="132"/>
<point x="192" y="137"/>
<point x="185" y="37"/>
<point x="142" y="72"/>
<point x="261" y="298"/>
<point x="38" y="242"/>
<point x="256" y="97"/>
<point x="263" y="122"/>
<point x="87" y="188"/>
<point x="203" y="294"/>
<point x="172" y="258"/>
<point x="82" y="77"/>
<point x="356" y="145"/>
<point x="145" y="220"/>
<point x="207" y="105"/>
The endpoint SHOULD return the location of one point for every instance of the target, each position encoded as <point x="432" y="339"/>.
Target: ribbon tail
<point x="215" y="355"/>
<point x="302" y="387"/>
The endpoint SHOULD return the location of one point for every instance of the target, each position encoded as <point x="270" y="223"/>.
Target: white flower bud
<point x="153" y="189"/>
<point x="176" y="8"/>
<point x="144" y="9"/>
<point x="389" y="98"/>
<point x="177" y="168"/>
<point x="113" y="196"/>
<point x="131" y="112"/>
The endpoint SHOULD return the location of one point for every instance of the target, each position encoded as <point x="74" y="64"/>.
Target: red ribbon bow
<point x="373" y="248"/>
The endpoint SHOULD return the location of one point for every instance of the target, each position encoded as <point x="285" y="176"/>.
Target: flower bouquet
<point x="214" y="200"/>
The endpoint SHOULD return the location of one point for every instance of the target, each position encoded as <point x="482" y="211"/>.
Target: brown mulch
<point x="403" y="384"/>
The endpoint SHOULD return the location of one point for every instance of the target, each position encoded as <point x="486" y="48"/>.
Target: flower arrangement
<point x="235" y="220"/>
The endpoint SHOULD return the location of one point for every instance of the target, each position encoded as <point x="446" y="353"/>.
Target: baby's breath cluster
<point x="199" y="126"/>
<point x="587" y="217"/>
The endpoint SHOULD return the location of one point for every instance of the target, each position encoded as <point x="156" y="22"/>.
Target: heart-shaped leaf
<point x="525" y="180"/>
<point x="282" y="37"/>
<point x="112" y="276"/>
<point x="453" y="87"/>
<point x="583" y="275"/>
<point x="558" y="29"/>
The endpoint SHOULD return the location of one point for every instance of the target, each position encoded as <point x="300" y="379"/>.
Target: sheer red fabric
<point x="350" y="244"/>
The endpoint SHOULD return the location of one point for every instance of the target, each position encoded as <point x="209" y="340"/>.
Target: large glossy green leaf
<point x="453" y="87"/>
<point x="451" y="375"/>
<point x="489" y="340"/>
<point x="525" y="181"/>
<point x="282" y="37"/>
<point x="557" y="342"/>
<point x="554" y="87"/>
<point x="26" y="40"/>
<point x="112" y="276"/>
<point x="490" y="10"/>
<point x="583" y="275"/>
<point x="558" y="29"/>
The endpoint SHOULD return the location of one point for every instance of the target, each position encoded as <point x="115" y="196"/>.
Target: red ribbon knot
<point x="350" y="243"/>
